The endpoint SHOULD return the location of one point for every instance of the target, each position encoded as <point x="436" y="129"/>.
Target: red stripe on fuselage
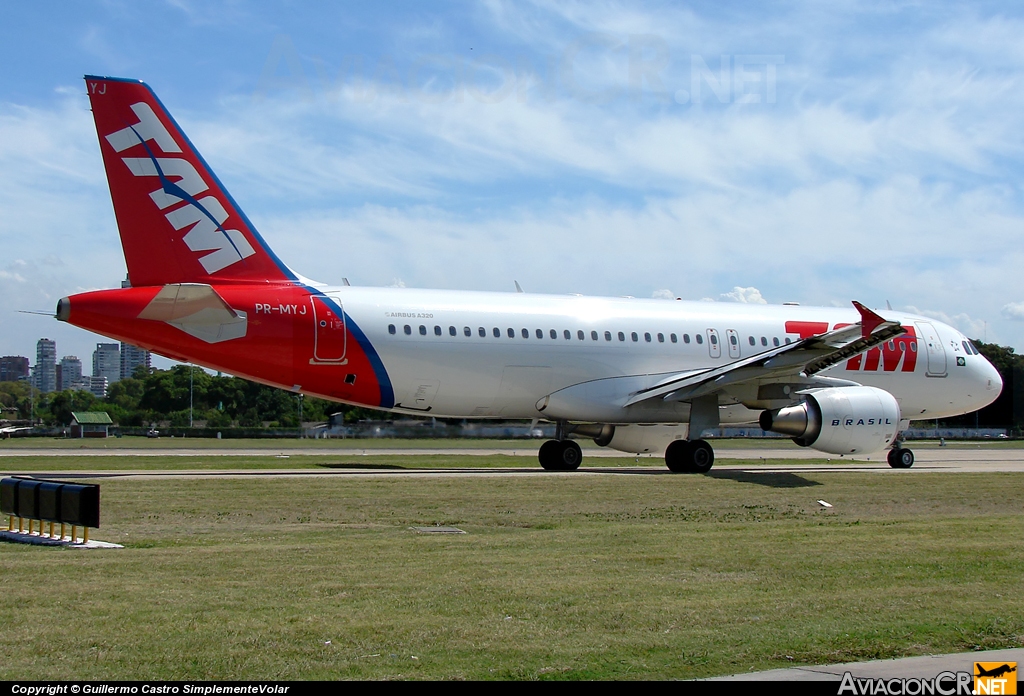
<point x="277" y="349"/>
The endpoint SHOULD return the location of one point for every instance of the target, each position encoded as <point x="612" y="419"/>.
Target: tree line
<point x="162" y="396"/>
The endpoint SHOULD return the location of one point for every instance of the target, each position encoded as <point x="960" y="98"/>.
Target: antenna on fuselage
<point x="519" y="288"/>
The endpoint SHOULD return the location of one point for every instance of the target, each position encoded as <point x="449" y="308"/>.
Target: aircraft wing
<point x="803" y="358"/>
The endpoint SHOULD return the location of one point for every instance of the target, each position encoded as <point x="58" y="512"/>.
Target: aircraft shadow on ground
<point x="371" y="467"/>
<point x="773" y="479"/>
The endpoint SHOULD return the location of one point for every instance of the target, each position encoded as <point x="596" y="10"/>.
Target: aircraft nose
<point x="988" y="376"/>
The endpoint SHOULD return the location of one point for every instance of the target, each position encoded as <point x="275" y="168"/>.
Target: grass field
<point x="631" y="576"/>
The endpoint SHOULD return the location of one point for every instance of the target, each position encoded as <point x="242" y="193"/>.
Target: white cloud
<point x="745" y="295"/>
<point x="1014" y="310"/>
<point x="969" y="326"/>
<point x="663" y="294"/>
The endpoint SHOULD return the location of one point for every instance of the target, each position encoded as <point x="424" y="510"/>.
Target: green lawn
<point x="634" y="576"/>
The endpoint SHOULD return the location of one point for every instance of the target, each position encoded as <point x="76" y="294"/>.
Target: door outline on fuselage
<point x="733" y="337"/>
<point x="714" y="343"/>
<point x="327" y="323"/>
<point x="934" y="349"/>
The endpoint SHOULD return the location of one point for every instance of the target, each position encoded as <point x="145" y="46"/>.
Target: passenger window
<point x="732" y="340"/>
<point x="700" y="339"/>
<point x="497" y="332"/>
<point x="408" y="330"/>
<point x="913" y="347"/>
<point x="593" y="335"/>
<point x="647" y="337"/>
<point x="466" y="330"/>
<point x="752" y="341"/>
<point x="483" y="332"/>
<point x="540" y="334"/>
<point x="391" y="329"/>
<point x="553" y="333"/>
<point x="672" y="337"/>
<point x="579" y="335"/>
<point x="686" y="338"/>
<point x="661" y="338"/>
<point x="437" y="330"/>
<point x="892" y="345"/>
<point x="634" y="337"/>
<point x="423" y="330"/>
<point x="452" y="331"/>
<point x="764" y="341"/>
<point x="775" y="341"/>
<point x="526" y="333"/>
<point x="511" y="332"/>
<point x="787" y="340"/>
<point x="607" y="335"/>
<point x="566" y="334"/>
<point x="622" y="336"/>
<point x="714" y="340"/>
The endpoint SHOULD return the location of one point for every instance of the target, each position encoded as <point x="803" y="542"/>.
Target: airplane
<point x="634" y="375"/>
<point x="8" y="430"/>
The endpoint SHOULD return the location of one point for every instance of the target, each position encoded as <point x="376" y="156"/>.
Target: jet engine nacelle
<point x="640" y="439"/>
<point x="840" y="420"/>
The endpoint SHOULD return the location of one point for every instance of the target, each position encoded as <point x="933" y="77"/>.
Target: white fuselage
<point x="477" y="354"/>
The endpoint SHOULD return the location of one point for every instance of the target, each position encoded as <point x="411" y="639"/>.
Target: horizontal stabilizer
<point x="198" y="311"/>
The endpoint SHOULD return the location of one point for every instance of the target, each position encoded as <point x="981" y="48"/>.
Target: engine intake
<point x="840" y="420"/>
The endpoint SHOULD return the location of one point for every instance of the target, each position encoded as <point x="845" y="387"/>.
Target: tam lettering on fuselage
<point x="898" y="354"/>
<point x="204" y="218"/>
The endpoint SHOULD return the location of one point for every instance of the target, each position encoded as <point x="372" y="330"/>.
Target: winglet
<point x="869" y="321"/>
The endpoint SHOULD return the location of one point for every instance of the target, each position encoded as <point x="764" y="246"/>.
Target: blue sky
<point x="792" y="152"/>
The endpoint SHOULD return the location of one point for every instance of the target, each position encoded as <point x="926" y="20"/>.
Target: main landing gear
<point x="900" y="458"/>
<point x="560" y="455"/>
<point x="689" y="456"/>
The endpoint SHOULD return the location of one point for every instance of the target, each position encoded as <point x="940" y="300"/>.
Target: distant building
<point x="70" y="371"/>
<point x="97" y="386"/>
<point x="90" y="424"/>
<point x="45" y="374"/>
<point x="106" y="362"/>
<point x="131" y="358"/>
<point x="13" y="368"/>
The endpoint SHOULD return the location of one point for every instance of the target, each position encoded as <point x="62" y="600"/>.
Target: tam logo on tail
<point x="143" y="146"/>
<point x="203" y="217"/>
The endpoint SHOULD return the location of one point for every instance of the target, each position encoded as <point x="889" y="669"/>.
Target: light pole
<point x="300" y="415"/>
<point x="190" y="396"/>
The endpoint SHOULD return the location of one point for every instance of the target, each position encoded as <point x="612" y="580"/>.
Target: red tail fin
<point x="177" y="222"/>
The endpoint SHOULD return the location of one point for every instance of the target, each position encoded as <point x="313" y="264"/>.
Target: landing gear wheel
<point x="702" y="456"/>
<point x="548" y="455"/>
<point x="900" y="458"/>
<point x="677" y="457"/>
<point x="684" y="457"/>
<point x="570" y="456"/>
<point x="560" y="456"/>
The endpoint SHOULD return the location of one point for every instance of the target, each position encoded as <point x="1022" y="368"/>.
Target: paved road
<point x="356" y="466"/>
<point x="925" y="667"/>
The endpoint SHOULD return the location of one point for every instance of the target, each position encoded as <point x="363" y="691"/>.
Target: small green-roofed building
<point x="90" y="424"/>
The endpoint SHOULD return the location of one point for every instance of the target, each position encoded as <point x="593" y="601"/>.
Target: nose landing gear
<point x="900" y="458"/>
